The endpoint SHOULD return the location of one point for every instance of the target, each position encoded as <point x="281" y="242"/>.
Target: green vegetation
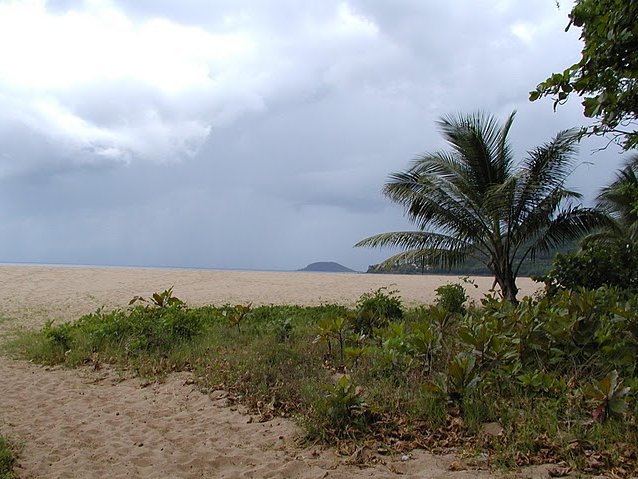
<point x="451" y="297"/>
<point x="474" y="202"/>
<point x="608" y="256"/>
<point x="607" y="74"/>
<point x="556" y="374"/>
<point x="7" y="459"/>
<point x="593" y="266"/>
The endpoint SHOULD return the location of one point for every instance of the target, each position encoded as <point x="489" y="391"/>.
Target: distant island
<point x="327" y="267"/>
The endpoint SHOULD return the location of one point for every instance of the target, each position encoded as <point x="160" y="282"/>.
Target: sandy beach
<point x="84" y="423"/>
<point x="31" y="295"/>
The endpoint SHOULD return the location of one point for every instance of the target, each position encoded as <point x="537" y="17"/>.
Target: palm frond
<point x="414" y="240"/>
<point x="433" y="257"/>
<point x="619" y="197"/>
<point x="543" y="172"/>
<point x="570" y="224"/>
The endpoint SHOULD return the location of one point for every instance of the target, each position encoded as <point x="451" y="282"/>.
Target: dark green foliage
<point x="596" y="264"/>
<point x="342" y="409"/>
<point x="607" y="74"/>
<point x="608" y="256"/>
<point x="461" y="378"/>
<point x="451" y="297"/>
<point x="375" y="310"/>
<point x="574" y="334"/>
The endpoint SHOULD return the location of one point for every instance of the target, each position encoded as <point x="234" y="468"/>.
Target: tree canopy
<point x="606" y="77"/>
<point x="475" y="202"/>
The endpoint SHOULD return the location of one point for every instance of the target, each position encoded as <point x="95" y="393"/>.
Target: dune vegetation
<point x="550" y="379"/>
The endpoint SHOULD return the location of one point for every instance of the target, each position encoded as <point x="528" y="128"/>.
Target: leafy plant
<point x="451" y="297"/>
<point x="395" y="345"/>
<point x="375" y="310"/>
<point x="605" y="75"/>
<point x="333" y="327"/>
<point x="60" y="335"/>
<point x="541" y="382"/>
<point x="344" y="402"/>
<point x="491" y="342"/>
<point x="461" y="379"/>
<point x="596" y="264"/>
<point x="236" y="314"/>
<point x="425" y="341"/>
<point x="283" y="329"/>
<point x="165" y="299"/>
<point x="609" y="396"/>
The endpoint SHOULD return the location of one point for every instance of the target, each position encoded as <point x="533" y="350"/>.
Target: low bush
<point x="375" y="310"/>
<point x="596" y="265"/>
<point x="451" y="297"/>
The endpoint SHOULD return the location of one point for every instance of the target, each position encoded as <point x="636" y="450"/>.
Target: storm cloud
<point x="250" y="134"/>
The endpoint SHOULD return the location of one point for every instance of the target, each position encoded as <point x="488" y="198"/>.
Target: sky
<point x="252" y="134"/>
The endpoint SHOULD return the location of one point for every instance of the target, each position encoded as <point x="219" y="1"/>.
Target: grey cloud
<point x="300" y="138"/>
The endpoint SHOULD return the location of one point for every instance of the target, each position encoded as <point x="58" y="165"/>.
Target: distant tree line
<point x="473" y="267"/>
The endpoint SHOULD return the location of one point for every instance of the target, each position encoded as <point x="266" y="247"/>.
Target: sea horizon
<point x="138" y="266"/>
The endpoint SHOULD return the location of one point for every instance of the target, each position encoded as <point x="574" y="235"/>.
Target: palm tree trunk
<point x="505" y="278"/>
<point x="509" y="289"/>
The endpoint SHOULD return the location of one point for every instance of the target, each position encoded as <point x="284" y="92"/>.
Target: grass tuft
<point x="7" y="459"/>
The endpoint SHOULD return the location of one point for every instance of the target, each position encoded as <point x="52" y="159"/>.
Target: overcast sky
<point x="251" y="134"/>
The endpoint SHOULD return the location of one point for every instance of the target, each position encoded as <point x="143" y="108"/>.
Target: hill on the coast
<point x="327" y="267"/>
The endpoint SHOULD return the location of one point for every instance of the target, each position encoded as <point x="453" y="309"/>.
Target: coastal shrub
<point x="333" y="329"/>
<point x="165" y="299"/>
<point x="460" y="379"/>
<point x="342" y="409"/>
<point x="376" y="309"/>
<point x="333" y="413"/>
<point x="609" y="396"/>
<point x="451" y="297"/>
<point x="135" y="331"/>
<point x="425" y="342"/>
<point x="596" y="265"/>
<point x="235" y="314"/>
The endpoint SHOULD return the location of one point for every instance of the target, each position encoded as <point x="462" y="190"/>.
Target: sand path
<point x="80" y="424"/>
<point x="83" y="423"/>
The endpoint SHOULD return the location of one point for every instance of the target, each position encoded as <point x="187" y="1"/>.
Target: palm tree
<point x="620" y="201"/>
<point x="473" y="201"/>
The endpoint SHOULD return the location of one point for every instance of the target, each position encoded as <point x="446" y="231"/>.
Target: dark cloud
<point x="278" y="156"/>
